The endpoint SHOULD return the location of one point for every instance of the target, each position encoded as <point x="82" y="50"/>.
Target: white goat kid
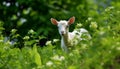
<point x="67" y="38"/>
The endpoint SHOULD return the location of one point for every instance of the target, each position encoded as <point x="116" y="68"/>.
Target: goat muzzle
<point x="62" y="32"/>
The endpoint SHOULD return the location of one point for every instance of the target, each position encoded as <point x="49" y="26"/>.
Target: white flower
<point x="31" y="31"/>
<point x="102" y="32"/>
<point x="89" y="19"/>
<point x="23" y="20"/>
<point x="55" y="40"/>
<point x="13" y="30"/>
<point x="1" y="40"/>
<point x="93" y="25"/>
<point x="58" y="58"/>
<point x="62" y="58"/>
<point x="26" y="37"/>
<point x="48" y="43"/>
<point x="49" y="63"/>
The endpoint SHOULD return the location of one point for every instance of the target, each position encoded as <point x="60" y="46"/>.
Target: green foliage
<point x="20" y="29"/>
<point x="18" y="59"/>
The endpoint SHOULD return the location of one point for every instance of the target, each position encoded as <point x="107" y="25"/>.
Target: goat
<point x="67" y="38"/>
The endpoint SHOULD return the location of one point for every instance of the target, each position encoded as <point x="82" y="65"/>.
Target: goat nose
<point x="62" y="32"/>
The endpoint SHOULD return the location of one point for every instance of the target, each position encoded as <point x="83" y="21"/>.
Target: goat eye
<point x="67" y="26"/>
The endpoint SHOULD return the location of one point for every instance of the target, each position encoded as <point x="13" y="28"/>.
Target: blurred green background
<point x="35" y="14"/>
<point x="25" y="24"/>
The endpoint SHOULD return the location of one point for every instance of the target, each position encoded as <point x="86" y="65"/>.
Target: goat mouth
<point x="62" y="34"/>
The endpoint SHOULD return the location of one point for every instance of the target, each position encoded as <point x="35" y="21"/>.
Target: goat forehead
<point x="62" y="23"/>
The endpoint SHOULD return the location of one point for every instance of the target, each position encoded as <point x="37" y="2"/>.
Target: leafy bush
<point x="101" y="52"/>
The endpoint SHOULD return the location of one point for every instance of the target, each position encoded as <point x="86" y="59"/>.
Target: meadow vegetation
<point x="19" y="37"/>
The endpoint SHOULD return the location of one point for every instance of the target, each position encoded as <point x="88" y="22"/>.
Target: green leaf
<point x="37" y="56"/>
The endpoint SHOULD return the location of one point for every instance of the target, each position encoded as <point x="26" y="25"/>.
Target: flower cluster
<point x="49" y="43"/>
<point x="93" y="25"/>
<point x="58" y="58"/>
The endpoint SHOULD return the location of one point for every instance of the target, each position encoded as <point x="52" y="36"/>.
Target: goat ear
<point x="71" y="20"/>
<point x="54" y="21"/>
